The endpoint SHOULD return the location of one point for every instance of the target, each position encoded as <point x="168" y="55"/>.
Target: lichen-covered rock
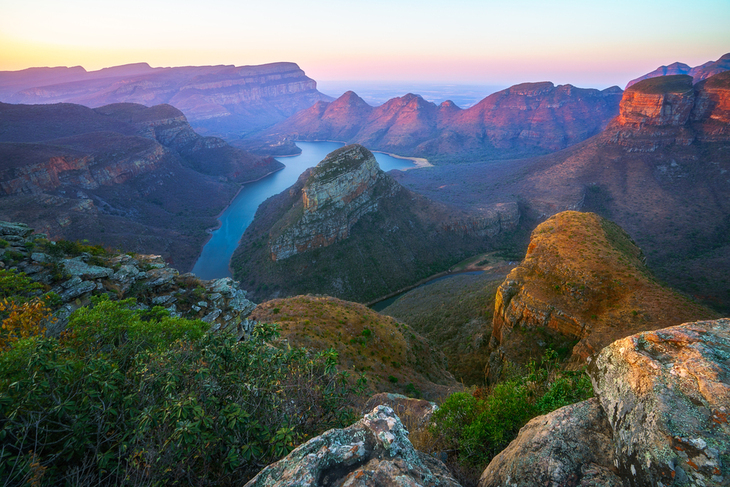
<point x="666" y="394"/>
<point x="375" y="451"/>
<point x="568" y="447"/>
<point x="411" y="411"/>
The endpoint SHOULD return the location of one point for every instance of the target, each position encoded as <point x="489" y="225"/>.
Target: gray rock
<point x="78" y="290"/>
<point x="375" y="451"/>
<point x="202" y="304"/>
<point x="240" y="304"/>
<point x="77" y="267"/>
<point x="212" y="316"/>
<point x="226" y="286"/>
<point x="40" y="257"/>
<point x="74" y="281"/>
<point x="160" y="300"/>
<point x="14" y="229"/>
<point x="570" y="446"/>
<point x="196" y="308"/>
<point x="160" y="277"/>
<point x="666" y="394"/>
<point x="411" y="411"/>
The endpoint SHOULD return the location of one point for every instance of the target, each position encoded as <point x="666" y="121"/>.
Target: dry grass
<point x="391" y="355"/>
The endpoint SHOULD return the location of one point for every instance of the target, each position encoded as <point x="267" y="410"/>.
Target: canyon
<point x="124" y="174"/>
<point x="346" y="223"/>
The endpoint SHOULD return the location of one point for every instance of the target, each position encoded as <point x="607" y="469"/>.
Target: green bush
<point x="480" y="424"/>
<point x="137" y="397"/>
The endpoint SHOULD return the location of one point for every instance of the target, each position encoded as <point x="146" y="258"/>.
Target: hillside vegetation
<point x="390" y="355"/>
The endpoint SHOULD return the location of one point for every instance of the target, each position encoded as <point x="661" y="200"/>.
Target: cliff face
<point x="216" y="99"/>
<point x="582" y="285"/>
<point x="349" y="230"/>
<point x="122" y="174"/>
<point x="524" y="119"/>
<point x="339" y="191"/>
<point x="650" y="103"/>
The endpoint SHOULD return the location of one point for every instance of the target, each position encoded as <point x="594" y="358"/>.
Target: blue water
<point x="214" y="259"/>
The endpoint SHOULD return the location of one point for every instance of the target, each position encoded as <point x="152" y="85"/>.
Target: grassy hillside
<point x="391" y="355"/>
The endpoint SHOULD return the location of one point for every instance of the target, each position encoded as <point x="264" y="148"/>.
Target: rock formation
<point x="348" y="230"/>
<point x="582" y="285"/>
<point x="121" y="174"/>
<point x="216" y="99"/>
<point x="75" y="278"/>
<point x="698" y="73"/>
<point x="522" y="120"/>
<point x="667" y="396"/>
<point x="570" y="446"/>
<point x="660" y="418"/>
<point x="340" y="190"/>
<point x="375" y="451"/>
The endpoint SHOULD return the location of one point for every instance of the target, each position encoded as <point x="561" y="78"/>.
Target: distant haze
<point x="467" y="42"/>
<point x="378" y="92"/>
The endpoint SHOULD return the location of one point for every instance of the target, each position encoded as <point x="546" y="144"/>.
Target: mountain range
<point x="525" y="119"/>
<point x="660" y="170"/>
<point x="217" y="100"/>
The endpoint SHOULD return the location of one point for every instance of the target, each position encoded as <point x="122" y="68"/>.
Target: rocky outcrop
<point x="75" y="278"/>
<point x="375" y="451"/>
<point x="660" y="418"/>
<point x="216" y="99"/>
<point x="411" y="411"/>
<point x="570" y="446"/>
<point x="347" y="184"/>
<point x="582" y="285"/>
<point x="667" y="396"/>
<point x="698" y="73"/>
<point x="524" y="119"/>
<point x="669" y="110"/>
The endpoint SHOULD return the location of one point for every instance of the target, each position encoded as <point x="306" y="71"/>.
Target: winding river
<point x="216" y="255"/>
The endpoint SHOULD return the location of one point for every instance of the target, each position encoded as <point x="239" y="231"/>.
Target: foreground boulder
<point x="570" y="446"/>
<point x="660" y="418"/>
<point x="667" y="396"/>
<point x="375" y="451"/>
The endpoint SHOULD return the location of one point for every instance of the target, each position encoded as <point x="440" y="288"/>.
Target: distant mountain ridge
<point x="525" y="119"/>
<point x="660" y="170"/>
<point x="698" y="73"/>
<point x="123" y="174"/>
<point x="224" y="100"/>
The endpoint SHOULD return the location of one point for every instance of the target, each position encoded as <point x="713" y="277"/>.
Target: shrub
<point x="137" y="397"/>
<point x="480" y="424"/>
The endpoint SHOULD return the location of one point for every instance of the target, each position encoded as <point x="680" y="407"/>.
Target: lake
<point x="216" y="255"/>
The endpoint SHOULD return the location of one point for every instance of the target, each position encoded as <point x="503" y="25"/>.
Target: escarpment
<point x="582" y="285"/>
<point x="349" y="230"/>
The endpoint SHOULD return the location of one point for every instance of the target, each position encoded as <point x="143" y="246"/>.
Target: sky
<point x="583" y="42"/>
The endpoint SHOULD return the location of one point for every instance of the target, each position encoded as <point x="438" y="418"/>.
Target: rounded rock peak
<point x="343" y="160"/>
<point x="676" y="83"/>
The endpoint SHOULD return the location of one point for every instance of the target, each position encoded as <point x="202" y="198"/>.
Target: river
<point x="216" y="255"/>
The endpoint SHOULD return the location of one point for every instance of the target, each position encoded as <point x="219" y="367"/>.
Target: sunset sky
<point x="583" y="42"/>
